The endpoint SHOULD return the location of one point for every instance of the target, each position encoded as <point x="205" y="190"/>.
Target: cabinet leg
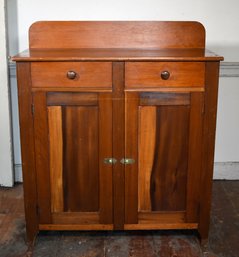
<point x="204" y="243"/>
<point x="205" y="246"/>
<point x="203" y="235"/>
<point x="31" y="234"/>
<point x="30" y="242"/>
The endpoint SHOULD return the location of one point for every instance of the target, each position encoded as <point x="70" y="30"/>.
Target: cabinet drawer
<point x="176" y="74"/>
<point x="72" y="74"/>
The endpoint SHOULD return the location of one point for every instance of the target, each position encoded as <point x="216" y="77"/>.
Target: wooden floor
<point x="223" y="240"/>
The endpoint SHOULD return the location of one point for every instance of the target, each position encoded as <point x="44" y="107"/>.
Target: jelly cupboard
<point x="117" y="126"/>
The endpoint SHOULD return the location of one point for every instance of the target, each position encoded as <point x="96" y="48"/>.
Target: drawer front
<point x="164" y="74"/>
<point x="72" y="74"/>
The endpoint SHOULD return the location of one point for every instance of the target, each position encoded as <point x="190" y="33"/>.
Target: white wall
<point x="227" y="143"/>
<point x="219" y="17"/>
<point x="6" y="175"/>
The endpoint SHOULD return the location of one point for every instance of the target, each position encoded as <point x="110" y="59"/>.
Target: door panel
<point x="81" y="161"/>
<point x="164" y="175"/>
<point x="80" y="182"/>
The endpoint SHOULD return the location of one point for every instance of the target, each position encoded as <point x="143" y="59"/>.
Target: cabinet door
<point x="163" y="137"/>
<point x="73" y="136"/>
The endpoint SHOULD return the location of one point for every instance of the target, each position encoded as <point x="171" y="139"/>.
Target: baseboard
<point x="226" y="170"/>
<point x="18" y="172"/>
<point x="229" y="69"/>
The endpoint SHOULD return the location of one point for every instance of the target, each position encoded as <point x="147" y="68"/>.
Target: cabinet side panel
<point x="80" y="158"/>
<point x="27" y="149"/>
<point x="209" y="127"/>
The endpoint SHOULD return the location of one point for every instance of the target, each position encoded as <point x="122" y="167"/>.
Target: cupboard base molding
<point x="162" y="217"/>
<point x="59" y="227"/>
<point x="117" y="125"/>
<point x="76" y="218"/>
<point x="75" y="227"/>
<point x="166" y="226"/>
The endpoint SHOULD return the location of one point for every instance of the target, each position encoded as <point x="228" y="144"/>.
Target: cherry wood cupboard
<point x="117" y="125"/>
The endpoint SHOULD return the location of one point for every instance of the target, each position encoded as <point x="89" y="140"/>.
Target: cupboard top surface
<point x="109" y="54"/>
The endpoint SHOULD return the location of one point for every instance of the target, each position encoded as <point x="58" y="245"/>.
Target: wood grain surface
<point x="194" y="156"/>
<point x="118" y="128"/>
<point x="105" y="151"/>
<point x="147" y="133"/>
<point x="116" y="34"/>
<point x="27" y="149"/>
<point x="56" y="157"/>
<point x="209" y="130"/>
<point x="71" y="98"/>
<point x="163" y="151"/>
<point x="131" y="151"/>
<point x="89" y="74"/>
<point x="148" y="74"/>
<point x="81" y="158"/>
<point x="75" y="218"/>
<point x="116" y="54"/>
<point x="42" y="157"/>
<point x="169" y="170"/>
<point x="166" y="98"/>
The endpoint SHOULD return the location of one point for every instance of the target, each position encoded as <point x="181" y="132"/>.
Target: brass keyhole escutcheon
<point x="127" y="161"/>
<point x="110" y="160"/>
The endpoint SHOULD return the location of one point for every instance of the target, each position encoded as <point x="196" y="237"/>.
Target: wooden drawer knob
<point x="165" y="75"/>
<point x="71" y="74"/>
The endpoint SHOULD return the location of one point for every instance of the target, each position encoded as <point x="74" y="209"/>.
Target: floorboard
<point x="223" y="238"/>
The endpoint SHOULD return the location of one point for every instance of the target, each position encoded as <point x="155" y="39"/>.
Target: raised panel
<point x="163" y="155"/>
<point x="80" y="158"/>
